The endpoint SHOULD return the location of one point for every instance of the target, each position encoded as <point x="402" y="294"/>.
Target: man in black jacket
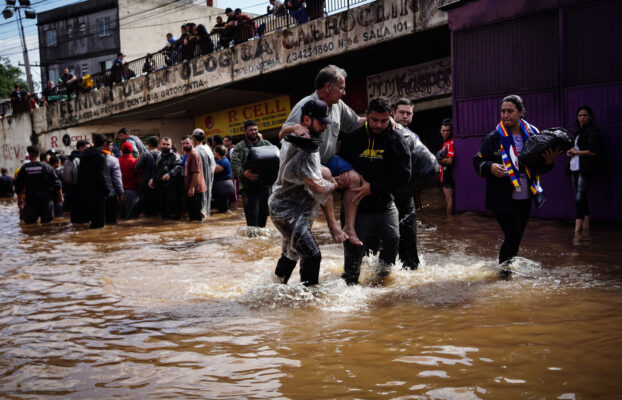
<point x="41" y="184"/>
<point x="379" y="154"/>
<point x="147" y="204"/>
<point x="166" y="178"/>
<point x="73" y="200"/>
<point x="92" y="182"/>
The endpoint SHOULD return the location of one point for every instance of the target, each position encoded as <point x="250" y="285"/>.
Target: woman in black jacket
<point x="204" y="41"/>
<point x="511" y="186"/>
<point x="584" y="163"/>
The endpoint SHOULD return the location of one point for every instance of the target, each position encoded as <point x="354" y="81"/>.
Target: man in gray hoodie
<point x="138" y="148"/>
<point x="113" y="177"/>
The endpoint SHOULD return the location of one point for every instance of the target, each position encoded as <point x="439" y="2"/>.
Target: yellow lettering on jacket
<point x="372" y="154"/>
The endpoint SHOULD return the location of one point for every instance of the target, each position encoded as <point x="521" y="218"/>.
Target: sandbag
<point x="263" y="160"/>
<point x="536" y="145"/>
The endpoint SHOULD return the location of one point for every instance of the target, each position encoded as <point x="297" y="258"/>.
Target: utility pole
<point x="30" y="14"/>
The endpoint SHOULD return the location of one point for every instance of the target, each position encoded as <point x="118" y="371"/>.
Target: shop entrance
<point x="427" y="124"/>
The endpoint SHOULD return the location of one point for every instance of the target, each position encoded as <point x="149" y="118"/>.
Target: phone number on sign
<point x="310" y="52"/>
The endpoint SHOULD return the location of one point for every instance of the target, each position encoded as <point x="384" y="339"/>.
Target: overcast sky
<point x="11" y="48"/>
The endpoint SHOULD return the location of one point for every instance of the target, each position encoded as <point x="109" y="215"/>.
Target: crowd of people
<point x="99" y="182"/>
<point x="375" y="167"/>
<point x="67" y="86"/>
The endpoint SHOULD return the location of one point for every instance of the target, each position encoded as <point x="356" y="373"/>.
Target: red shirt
<point x="129" y="176"/>
<point x="449" y="145"/>
<point x="194" y="166"/>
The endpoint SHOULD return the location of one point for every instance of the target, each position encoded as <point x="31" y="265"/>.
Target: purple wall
<point x="554" y="54"/>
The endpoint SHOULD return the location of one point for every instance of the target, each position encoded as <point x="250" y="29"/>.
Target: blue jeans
<point x="581" y="183"/>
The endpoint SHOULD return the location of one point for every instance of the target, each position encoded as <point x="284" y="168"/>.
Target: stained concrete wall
<point x="173" y="128"/>
<point x="14" y="138"/>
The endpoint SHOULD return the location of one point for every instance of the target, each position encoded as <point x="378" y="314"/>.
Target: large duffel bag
<point x="263" y="160"/>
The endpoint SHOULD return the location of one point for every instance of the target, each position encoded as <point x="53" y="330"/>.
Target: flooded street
<point x="151" y="309"/>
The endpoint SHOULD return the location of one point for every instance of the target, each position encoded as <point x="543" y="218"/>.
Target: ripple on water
<point x="162" y="309"/>
<point x="456" y="393"/>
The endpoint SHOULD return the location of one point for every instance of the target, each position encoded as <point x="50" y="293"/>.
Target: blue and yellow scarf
<point x="509" y="155"/>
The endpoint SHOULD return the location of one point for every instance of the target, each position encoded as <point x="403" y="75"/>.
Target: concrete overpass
<point x="367" y="40"/>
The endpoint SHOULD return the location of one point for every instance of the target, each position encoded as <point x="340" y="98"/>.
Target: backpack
<point x="70" y="171"/>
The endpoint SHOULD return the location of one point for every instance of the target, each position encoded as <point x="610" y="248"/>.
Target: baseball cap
<point x="126" y="145"/>
<point x="317" y="109"/>
<point x="198" y="134"/>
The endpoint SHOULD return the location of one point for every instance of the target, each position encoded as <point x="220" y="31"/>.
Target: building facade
<point x="82" y="37"/>
<point x="85" y="37"/>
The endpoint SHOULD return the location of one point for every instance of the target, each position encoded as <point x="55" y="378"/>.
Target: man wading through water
<point x="302" y="184"/>
<point x="379" y="154"/>
<point x="330" y="87"/>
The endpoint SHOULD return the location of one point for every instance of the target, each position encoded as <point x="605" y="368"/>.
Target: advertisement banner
<point x="268" y="114"/>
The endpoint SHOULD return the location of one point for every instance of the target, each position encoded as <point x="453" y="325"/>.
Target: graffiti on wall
<point x="13" y="152"/>
<point x="416" y="82"/>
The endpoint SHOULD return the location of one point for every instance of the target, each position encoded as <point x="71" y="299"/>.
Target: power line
<point x="34" y="3"/>
<point x="92" y="30"/>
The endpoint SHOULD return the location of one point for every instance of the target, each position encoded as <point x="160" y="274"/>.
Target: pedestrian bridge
<point x="209" y="79"/>
<point x="322" y="38"/>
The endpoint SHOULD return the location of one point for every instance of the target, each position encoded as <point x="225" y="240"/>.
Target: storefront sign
<point x="267" y="114"/>
<point x="416" y="82"/>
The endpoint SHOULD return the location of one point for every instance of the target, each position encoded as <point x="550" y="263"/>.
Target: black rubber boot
<point x="310" y="270"/>
<point x="284" y="268"/>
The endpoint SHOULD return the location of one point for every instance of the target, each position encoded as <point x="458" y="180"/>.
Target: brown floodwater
<point x="152" y="309"/>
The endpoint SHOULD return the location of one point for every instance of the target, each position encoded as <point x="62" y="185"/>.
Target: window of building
<point x="69" y="30"/>
<point x="103" y="27"/>
<point x="84" y="69"/>
<point x="82" y="27"/>
<point x="53" y="75"/>
<point x="50" y="38"/>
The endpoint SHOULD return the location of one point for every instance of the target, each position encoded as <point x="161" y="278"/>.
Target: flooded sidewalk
<point x="161" y="309"/>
